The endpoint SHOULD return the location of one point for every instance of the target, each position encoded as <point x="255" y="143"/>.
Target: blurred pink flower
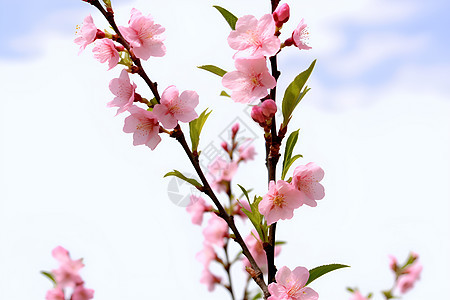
<point x="209" y="279"/>
<point x="67" y="273"/>
<point x="246" y="151"/>
<point x="124" y="91"/>
<point x="144" y="126"/>
<point x="393" y="264"/>
<point x="221" y="172"/>
<point x="215" y="231"/>
<point x="197" y="208"/>
<point x="254" y="38"/>
<point x="55" y="294"/>
<point x="251" y="80"/>
<point x="306" y="180"/>
<point x="144" y="36"/>
<point x="280" y="202"/>
<point x="175" y="107"/>
<point x="206" y="255"/>
<point x="105" y="50"/>
<point x="407" y="280"/>
<point x="87" y="33"/>
<point x="290" y="285"/>
<point x="256" y="248"/>
<point x="81" y="293"/>
<point x="357" y="296"/>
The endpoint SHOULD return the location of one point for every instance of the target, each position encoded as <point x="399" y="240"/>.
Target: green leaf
<point x="322" y="270"/>
<point x="280" y="243"/>
<point x="223" y="93"/>
<point x="213" y="69"/>
<point x="181" y="176"/>
<point x="245" y="192"/>
<point x="229" y="17"/>
<point x="294" y="93"/>
<point x="288" y="160"/>
<point x="195" y="128"/>
<point x="256" y="218"/>
<point x="49" y="276"/>
<point x="257" y="296"/>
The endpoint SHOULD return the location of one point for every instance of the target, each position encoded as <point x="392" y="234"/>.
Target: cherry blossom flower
<point x="300" y="36"/>
<point x="290" y="285"/>
<point x="105" y="50"/>
<point x="254" y="38"/>
<point x="306" y="180"/>
<point x="281" y="14"/>
<point x="215" y="231"/>
<point x="144" y="35"/>
<point x="55" y="294"/>
<point x="87" y="33"/>
<point x="124" y="91"/>
<point x="197" y="208"/>
<point x="144" y="126"/>
<point x="209" y="279"/>
<point x="82" y="293"/>
<point x="246" y="151"/>
<point x="256" y="248"/>
<point x="206" y="255"/>
<point x="357" y="296"/>
<point x="280" y="202"/>
<point x="407" y="280"/>
<point x="220" y="173"/>
<point x="67" y="273"/>
<point x="175" y="107"/>
<point x="237" y="208"/>
<point x="250" y="81"/>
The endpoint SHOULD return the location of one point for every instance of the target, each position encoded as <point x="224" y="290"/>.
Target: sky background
<point x="376" y="120"/>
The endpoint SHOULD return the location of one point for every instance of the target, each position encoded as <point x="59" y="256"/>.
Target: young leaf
<point x="294" y="93"/>
<point x="195" y="128"/>
<point x="322" y="270"/>
<point x="244" y="191"/>
<point x="257" y="296"/>
<point x="213" y="69"/>
<point x="49" y="276"/>
<point x="290" y="144"/>
<point x="229" y="17"/>
<point x="223" y="93"/>
<point x="181" y="176"/>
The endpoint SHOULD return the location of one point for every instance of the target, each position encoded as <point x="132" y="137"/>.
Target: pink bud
<point x="281" y="14"/>
<point x="257" y="114"/>
<point x="235" y="129"/>
<point x="224" y="146"/>
<point x="269" y="108"/>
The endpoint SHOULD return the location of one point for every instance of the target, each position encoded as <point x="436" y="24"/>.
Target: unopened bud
<point x="289" y="42"/>
<point x="235" y="129"/>
<point x="100" y="34"/>
<point x="269" y="108"/>
<point x="224" y="146"/>
<point x="281" y="14"/>
<point x="257" y="114"/>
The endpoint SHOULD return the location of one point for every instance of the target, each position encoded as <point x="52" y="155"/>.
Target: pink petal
<point x="309" y="294"/>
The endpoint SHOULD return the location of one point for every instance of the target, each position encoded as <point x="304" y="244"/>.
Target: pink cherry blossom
<point x="256" y="248"/>
<point x="206" y="255"/>
<point x="254" y="38"/>
<point x="300" y="36"/>
<point x="412" y="274"/>
<point x="197" y="208"/>
<point x="280" y="202"/>
<point x="82" y="293"/>
<point x="55" y="294"/>
<point x="246" y="151"/>
<point x="251" y="80"/>
<point x="144" y="35"/>
<point x="393" y="264"/>
<point x="220" y="173"/>
<point x="124" y="91"/>
<point x="144" y="126"/>
<point x="306" y="180"/>
<point x="281" y="14"/>
<point x="215" y="231"/>
<point x="105" y="50"/>
<point x="357" y="296"/>
<point x="209" y="279"/>
<point x="290" y="285"/>
<point x="237" y="208"/>
<point x="87" y="33"/>
<point x="175" y="107"/>
<point x="67" y="273"/>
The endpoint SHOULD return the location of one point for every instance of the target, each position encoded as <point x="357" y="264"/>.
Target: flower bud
<point x="235" y="129"/>
<point x="269" y="108"/>
<point x="281" y="14"/>
<point x="224" y="145"/>
<point x="257" y="115"/>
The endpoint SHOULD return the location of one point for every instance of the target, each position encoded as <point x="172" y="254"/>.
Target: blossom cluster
<point x="67" y="278"/>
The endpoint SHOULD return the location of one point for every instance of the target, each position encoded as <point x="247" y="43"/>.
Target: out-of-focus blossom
<point x="144" y="126"/>
<point x="220" y="173"/>
<point x="197" y="208"/>
<point x="55" y="294"/>
<point x="246" y="151"/>
<point x="290" y="285"/>
<point x="407" y="280"/>
<point x="216" y="230"/>
<point x="144" y="35"/>
<point x="306" y="180"/>
<point x="357" y="296"/>
<point x="67" y="273"/>
<point x="256" y="248"/>
<point x="209" y="279"/>
<point x="82" y="293"/>
<point x="206" y="255"/>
